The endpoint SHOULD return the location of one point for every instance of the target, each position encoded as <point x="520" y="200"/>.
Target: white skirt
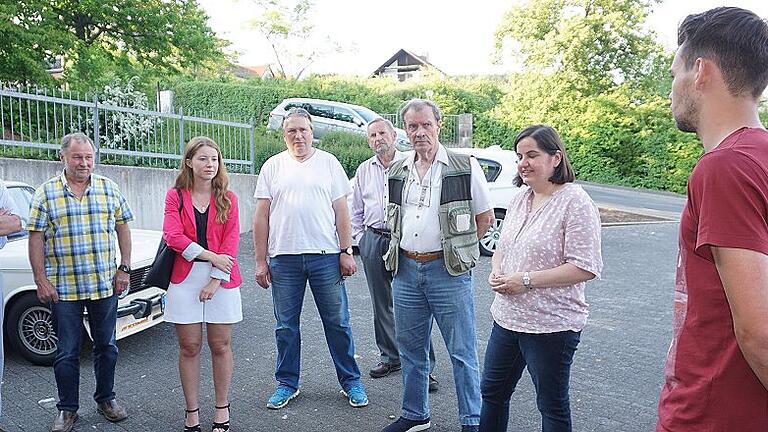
<point x="183" y="305"/>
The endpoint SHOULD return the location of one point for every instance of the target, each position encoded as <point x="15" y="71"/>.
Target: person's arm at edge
<point x="9" y="224"/>
<point x="744" y="274"/>
<point x="484" y="221"/>
<point x="260" y="239"/>
<point x="344" y="231"/>
<point x="124" y="243"/>
<point x="481" y="194"/>
<point x="357" y="216"/>
<point x="230" y="243"/>
<point x="10" y="220"/>
<point x="46" y="292"/>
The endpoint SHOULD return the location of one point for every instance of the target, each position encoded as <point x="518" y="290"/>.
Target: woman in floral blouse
<point x="549" y="248"/>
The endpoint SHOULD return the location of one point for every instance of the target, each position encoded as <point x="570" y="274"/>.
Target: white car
<point x="330" y="116"/>
<point x="28" y="325"/>
<point x="500" y="168"/>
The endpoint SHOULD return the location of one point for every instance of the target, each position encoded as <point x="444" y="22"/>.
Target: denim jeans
<point x="290" y="274"/>
<point x="421" y="292"/>
<point x="548" y="357"/>
<point x="68" y="321"/>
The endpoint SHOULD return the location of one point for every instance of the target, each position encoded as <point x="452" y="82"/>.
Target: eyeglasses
<point x="420" y="194"/>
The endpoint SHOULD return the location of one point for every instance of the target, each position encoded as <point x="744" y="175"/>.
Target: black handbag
<point x="159" y="274"/>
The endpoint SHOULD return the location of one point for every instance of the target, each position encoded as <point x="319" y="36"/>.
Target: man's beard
<point x="687" y="121"/>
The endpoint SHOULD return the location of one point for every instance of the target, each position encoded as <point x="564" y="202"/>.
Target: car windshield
<point x="366" y="114"/>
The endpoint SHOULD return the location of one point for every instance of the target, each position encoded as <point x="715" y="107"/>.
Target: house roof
<point x="252" y="71"/>
<point x="406" y="61"/>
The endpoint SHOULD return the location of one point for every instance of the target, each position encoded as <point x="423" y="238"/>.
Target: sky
<point x="457" y="39"/>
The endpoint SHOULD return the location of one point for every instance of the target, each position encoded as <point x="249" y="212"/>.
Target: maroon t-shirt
<point x="709" y="387"/>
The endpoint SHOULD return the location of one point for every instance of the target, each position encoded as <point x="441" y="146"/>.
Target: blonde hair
<point x="220" y="184"/>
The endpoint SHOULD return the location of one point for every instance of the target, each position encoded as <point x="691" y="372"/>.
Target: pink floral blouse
<point x="565" y="229"/>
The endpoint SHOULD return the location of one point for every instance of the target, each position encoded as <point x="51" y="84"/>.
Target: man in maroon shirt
<point x="716" y="372"/>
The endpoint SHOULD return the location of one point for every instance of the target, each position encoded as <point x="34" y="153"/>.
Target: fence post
<point x="253" y="147"/>
<point x="464" y="129"/>
<point x="96" y="135"/>
<point x="181" y="131"/>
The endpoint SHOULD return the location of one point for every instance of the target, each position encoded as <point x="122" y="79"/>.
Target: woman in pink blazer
<point x="205" y="280"/>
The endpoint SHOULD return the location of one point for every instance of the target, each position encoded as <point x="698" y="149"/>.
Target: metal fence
<point x="449" y="132"/>
<point x="33" y="121"/>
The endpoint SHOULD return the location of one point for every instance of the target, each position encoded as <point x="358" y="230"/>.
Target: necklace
<point x="201" y="205"/>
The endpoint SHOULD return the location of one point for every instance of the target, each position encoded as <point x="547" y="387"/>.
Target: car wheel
<point x="30" y="330"/>
<point x="491" y="238"/>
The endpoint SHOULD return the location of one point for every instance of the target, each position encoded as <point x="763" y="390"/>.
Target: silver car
<point x="331" y="116"/>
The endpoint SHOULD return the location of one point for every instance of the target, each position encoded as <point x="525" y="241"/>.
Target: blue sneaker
<point x="281" y="397"/>
<point x="404" y="425"/>
<point x="356" y="395"/>
<point x="470" y="428"/>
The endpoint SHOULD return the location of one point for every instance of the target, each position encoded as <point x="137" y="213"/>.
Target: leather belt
<point x="422" y="256"/>
<point x="381" y="232"/>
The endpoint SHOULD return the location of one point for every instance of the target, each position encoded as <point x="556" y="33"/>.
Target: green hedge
<point x="624" y="136"/>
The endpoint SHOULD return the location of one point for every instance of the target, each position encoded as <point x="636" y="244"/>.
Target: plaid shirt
<point x="80" y="235"/>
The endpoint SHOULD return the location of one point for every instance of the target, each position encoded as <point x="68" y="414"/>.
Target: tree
<point x="165" y="37"/>
<point x="287" y="28"/>
<point x="594" y="44"/>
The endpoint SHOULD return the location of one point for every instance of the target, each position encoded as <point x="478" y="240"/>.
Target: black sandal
<point x="221" y="425"/>
<point x="195" y="428"/>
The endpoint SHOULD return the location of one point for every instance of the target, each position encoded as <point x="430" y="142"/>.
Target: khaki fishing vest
<point x="457" y="221"/>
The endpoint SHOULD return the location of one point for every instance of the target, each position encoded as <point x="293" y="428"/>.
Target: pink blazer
<point x="180" y="230"/>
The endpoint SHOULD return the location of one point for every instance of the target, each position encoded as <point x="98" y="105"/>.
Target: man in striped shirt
<point x="72" y="224"/>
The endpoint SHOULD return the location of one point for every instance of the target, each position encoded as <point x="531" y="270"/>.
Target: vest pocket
<point x="460" y="220"/>
<point x="393" y="220"/>
<point x="466" y="254"/>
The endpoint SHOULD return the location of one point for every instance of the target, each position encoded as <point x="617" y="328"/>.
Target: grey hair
<point x="417" y="104"/>
<point x="382" y="120"/>
<point x="75" y="136"/>
<point x="298" y="112"/>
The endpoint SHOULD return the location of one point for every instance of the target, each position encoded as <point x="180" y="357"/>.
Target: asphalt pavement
<point x="616" y="375"/>
<point x="665" y="205"/>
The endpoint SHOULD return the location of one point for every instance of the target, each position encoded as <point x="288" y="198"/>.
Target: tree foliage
<point x="593" y="44"/>
<point x="97" y="38"/>
<point x="287" y="27"/>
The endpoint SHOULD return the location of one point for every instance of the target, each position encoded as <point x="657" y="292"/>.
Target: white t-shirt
<point x="301" y="216"/>
<point x="421" y="203"/>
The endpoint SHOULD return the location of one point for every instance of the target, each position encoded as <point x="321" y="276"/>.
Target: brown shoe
<point x="383" y="369"/>
<point x="64" y="422"/>
<point x="112" y="411"/>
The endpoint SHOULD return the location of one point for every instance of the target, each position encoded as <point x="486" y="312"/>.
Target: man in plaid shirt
<point x="72" y="224"/>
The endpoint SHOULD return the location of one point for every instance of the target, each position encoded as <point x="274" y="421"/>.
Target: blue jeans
<point x="290" y="274"/>
<point x="548" y="356"/>
<point x="68" y="322"/>
<point x="421" y="292"/>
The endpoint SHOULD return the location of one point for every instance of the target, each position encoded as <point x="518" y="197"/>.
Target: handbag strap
<point x="181" y="200"/>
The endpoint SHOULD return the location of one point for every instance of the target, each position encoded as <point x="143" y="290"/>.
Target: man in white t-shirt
<point x="302" y="225"/>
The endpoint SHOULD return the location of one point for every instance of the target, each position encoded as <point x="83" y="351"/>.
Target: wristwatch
<point x="124" y="268"/>
<point x="527" y="280"/>
<point x="348" y="251"/>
